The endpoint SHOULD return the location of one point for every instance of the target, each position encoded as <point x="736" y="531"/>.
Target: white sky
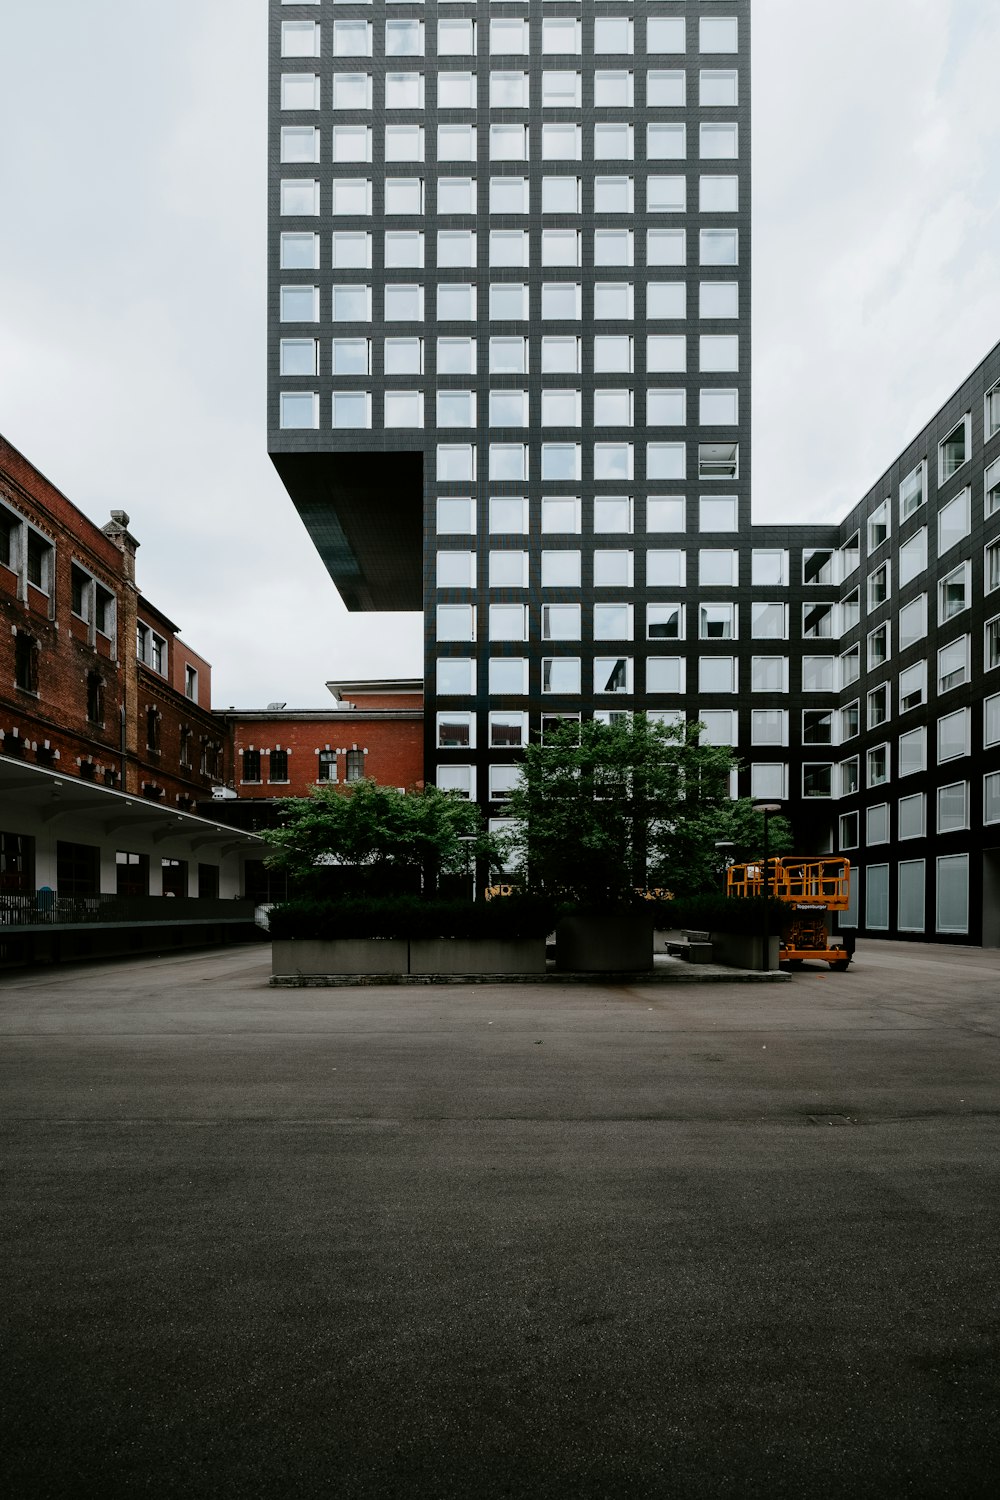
<point x="132" y="268"/>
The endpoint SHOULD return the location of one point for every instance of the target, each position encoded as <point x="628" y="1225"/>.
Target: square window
<point x="612" y="34"/>
<point x="912" y="687"/>
<point x="666" y="408"/>
<point x="298" y="357"/>
<point x="404" y="304"/>
<point x="819" y="674"/>
<point x="508" y="195"/>
<point x="301" y="91"/>
<point x="666" y="195"/>
<point x="666" y="353"/>
<point x="913" y="557"/>
<point x="508" y="301"/>
<point x="352" y="250"/>
<point x="404" y="143"/>
<point x="560" y="195"/>
<point x="455" y="676"/>
<point x="878" y="765"/>
<point x="560" y="34"/>
<point x="299" y="304"/>
<point x="561" y="622"/>
<point x="769" y="726"/>
<point x="665" y="461"/>
<point x="718" y="141"/>
<point x="612" y="622"/>
<point x="613" y="300"/>
<point x="456" y="570"/>
<point x="456" y="408"/>
<point x="953" y="452"/>
<point x="455" y="356"/>
<point x="508" y="356"/>
<point x="456" y="37"/>
<point x="913" y="491"/>
<point x="508" y="622"/>
<point x="299" y="143"/>
<point x="954" y="735"/>
<point x="456" y="622"/>
<point x="456" y="195"/>
<point x="352" y="39"/>
<point x="613" y="461"/>
<point x="991" y="647"/>
<point x="403" y="90"/>
<point x="456" y="143"/>
<point x="665" y="34"/>
<point x="613" y="408"/>
<point x="561" y="674"/>
<point x="508" y="461"/>
<point x="910" y="811"/>
<point x="561" y="141"/>
<point x="456" y="461"/>
<point x="717" y="513"/>
<point x="992" y="488"/>
<point x="718" y="460"/>
<point x="612" y="90"/>
<point x="612" y="569"/>
<point x="718" y="88"/>
<point x="953" y="807"/>
<point x="769" y="780"/>
<point x="666" y="247"/>
<point x="509" y="35"/>
<point x="456" y="731"/>
<point x="718" y="34"/>
<point x="716" y="622"/>
<point x="561" y="513"/>
<point x="404" y="248"/>
<point x="613" y="514"/>
<point x="912" y="752"/>
<point x="718" y="567"/>
<point x="954" y="521"/>
<point x="508" y="513"/>
<point x="991" y="798"/>
<point x="719" y="299"/>
<point x="877" y="824"/>
<point x="508" y="409"/>
<point x="664" y="622"/>
<point x="665" y="674"/>
<point x="456" y="248"/>
<point x="560" y="461"/>
<point x="954" y="592"/>
<point x="769" y="674"/>
<point x="848" y="831"/>
<point x="665" y="513"/>
<point x="613" y="141"/>
<point x="352" y="143"/>
<point x="561" y="570"/>
<point x="352" y="409"/>
<point x="351" y="304"/>
<point x="912" y="622"/>
<point x="719" y="247"/>
<point x="769" y="622"/>
<point x="299" y="251"/>
<point x="508" y="675"/>
<point x="456" y="515"/>
<point x="768" y="567"/>
<point x="299" y="409"/>
<point x="456" y="303"/>
<point x="561" y="300"/>
<point x="665" y="567"/>
<point x="666" y="299"/>
<point x="717" y="674"/>
<point x="666" y="140"/>
<point x="718" y="195"/>
<point x="300" y="39"/>
<point x="719" y="351"/>
<point x="350" y="197"/>
<point x="560" y="90"/>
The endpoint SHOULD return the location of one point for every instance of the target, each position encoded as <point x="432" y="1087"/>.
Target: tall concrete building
<point x="509" y="364"/>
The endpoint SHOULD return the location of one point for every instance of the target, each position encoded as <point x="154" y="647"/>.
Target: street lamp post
<point x="766" y="808"/>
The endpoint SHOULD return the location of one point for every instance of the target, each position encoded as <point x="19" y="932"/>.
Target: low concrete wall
<point x="618" y="943"/>
<point x="477" y="956"/>
<point x="344" y="956"/>
<point x="742" y="951"/>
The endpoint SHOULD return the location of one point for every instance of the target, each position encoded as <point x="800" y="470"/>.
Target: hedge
<point x="409" y="917"/>
<point x="741" y="915"/>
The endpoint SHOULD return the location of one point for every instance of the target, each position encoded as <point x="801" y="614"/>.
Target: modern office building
<point x="509" y="386"/>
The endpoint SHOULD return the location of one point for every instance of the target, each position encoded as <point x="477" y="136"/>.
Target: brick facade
<point x="325" y="747"/>
<point x="73" y="694"/>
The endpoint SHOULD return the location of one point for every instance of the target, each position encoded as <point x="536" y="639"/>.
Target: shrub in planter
<point x="740" y="915"/>
<point x="506" y="918"/>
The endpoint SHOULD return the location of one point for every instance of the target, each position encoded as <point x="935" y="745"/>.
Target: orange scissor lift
<point x="812" y="889"/>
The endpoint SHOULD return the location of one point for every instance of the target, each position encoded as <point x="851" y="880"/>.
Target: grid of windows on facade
<point x="574" y="148"/>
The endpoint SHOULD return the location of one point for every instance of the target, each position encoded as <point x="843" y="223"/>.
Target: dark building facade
<point x="509" y="385"/>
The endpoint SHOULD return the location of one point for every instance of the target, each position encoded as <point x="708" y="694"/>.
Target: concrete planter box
<point x="743" y="951"/>
<point x="477" y="956"/>
<point x="343" y="956"/>
<point x="621" y="942"/>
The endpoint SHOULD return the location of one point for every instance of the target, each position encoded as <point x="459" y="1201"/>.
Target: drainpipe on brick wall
<point x="118" y="533"/>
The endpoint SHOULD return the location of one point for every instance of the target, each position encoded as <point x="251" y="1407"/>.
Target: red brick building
<point x="375" y="731"/>
<point x="94" y="680"/>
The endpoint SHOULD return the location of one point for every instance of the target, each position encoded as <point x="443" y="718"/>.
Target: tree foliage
<point x="603" y="811"/>
<point x="379" y="830"/>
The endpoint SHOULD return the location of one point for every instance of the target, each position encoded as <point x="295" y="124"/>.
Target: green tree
<point x="699" y="866"/>
<point x="603" y="811"/>
<point x="379" y="831"/>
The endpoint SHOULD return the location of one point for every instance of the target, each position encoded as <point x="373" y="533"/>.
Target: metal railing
<point x="47" y="908"/>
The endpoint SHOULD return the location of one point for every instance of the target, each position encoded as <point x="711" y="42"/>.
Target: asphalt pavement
<point x="595" y="1241"/>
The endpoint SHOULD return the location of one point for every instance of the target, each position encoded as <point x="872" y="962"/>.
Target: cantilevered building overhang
<point x="364" y="513"/>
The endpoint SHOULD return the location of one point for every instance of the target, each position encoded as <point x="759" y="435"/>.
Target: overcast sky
<point x="132" y="268"/>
